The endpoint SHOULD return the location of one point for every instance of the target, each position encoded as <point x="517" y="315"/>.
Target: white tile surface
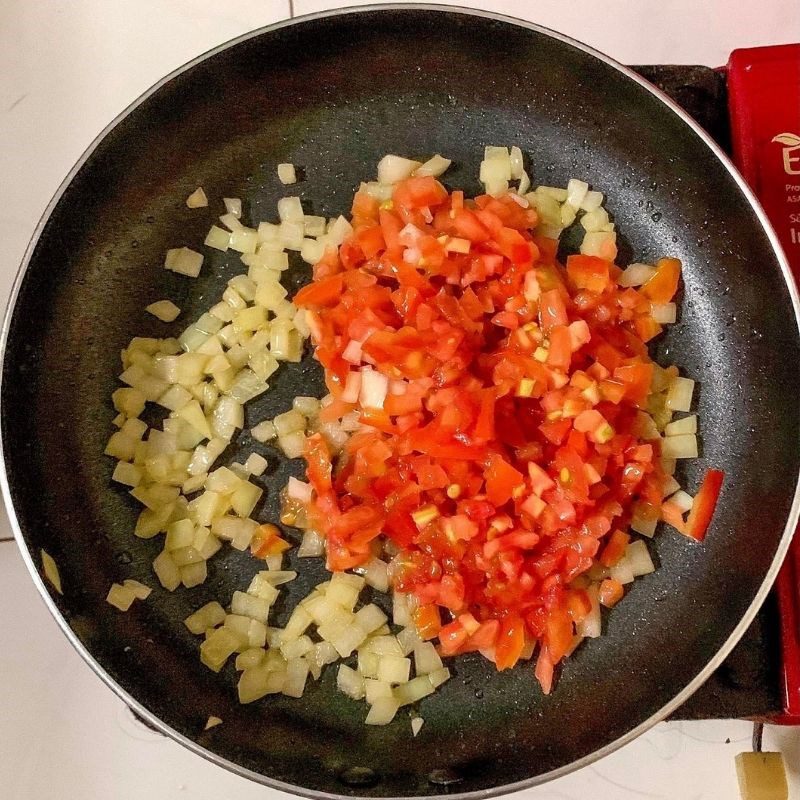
<point x="67" y="67"/>
<point x="644" y="31"/>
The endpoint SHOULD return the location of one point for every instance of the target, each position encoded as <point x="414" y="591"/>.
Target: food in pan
<point x="494" y="448"/>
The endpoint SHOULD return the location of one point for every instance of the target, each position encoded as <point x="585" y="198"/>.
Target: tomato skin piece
<point x="705" y="502"/>
<point x="614" y="549"/>
<point x="427" y="621"/>
<point x="510" y="642"/>
<point x="662" y="286"/>
<point x="552" y="310"/>
<point x="501" y="480"/>
<point x="318" y="463"/>
<point x="321" y="293"/>
<point x="588" y="272"/>
<point x="452" y="638"/>
<point x="611" y="592"/>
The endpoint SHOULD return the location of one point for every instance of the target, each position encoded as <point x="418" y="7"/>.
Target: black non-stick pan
<point x="332" y="93"/>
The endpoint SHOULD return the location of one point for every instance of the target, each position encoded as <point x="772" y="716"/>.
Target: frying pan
<point x="332" y="93"/>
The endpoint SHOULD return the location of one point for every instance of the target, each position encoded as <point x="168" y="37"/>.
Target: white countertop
<point x="67" y="67"/>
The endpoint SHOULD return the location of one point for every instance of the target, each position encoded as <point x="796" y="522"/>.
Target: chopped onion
<point x="684" y="445"/>
<point x="299" y="490"/>
<point x="576" y="193"/>
<point x="197" y="199"/>
<point x="414" y="690"/>
<point x="233" y="205"/>
<point x="208" y="616"/>
<point x="426" y="659"/>
<point x="374" y="388"/>
<point x="679" y="426"/>
<point x="590" y="626"/>
<point x="435" y="166"/>
<point x="392" y="169"/>
<point x="287" y="174"/>
<point x="679" y="395"/>
<point x="592" y="201"/>
<point x="416" y="725"/>
<point x="382" y="711"/>
<point x="217" y="238"/>
<point x="165" y="310"/>
<point x="350" y="682"/>
<point x="312" y="545"/>
<point x="664" y="314"/>
<point x="682" y="500"/>
<point x="120" y="597"/>
<point x="213" y="722"/>
<point x="638" y="559"/>
<point x="51" y="571"/>
<point x="256" y="464"/>
<point x="184" y="261"/>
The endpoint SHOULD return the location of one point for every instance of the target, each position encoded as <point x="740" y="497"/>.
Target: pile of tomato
<point x="502" y="395"/>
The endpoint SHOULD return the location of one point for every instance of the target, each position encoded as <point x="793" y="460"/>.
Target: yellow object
<point x="761" y="776"/>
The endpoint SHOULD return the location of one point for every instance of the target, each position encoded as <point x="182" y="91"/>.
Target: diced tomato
<point x="502" y="448"/>
<point x="501" y="480"/>
<point x="662" y="286"/>
<point x="510" y="642"/>
<point x="611" y="592"/>
<point x="705" y="501"/>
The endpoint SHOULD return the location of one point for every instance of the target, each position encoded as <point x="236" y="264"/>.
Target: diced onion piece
<point x="408" y="639"/>
<point x="370" y="618"/>
<point x="264" y="431"/>
<point x="51" y="571"/>
<point x="127" y="474"/>
<point x="218" y="238"/>
<point x="638" y="558"/>
<point x="665" y="313"/>
<point x="643" y="523"/>
<point x="622" y="571"/>
<point x="120" y="597"/>
<point x="233" y="206"/>
<point x="403" y="606"/>
<point x="293" y="444"/>
<point x="426" y="659"/>
<point x="679" y="426"/>
<point x="684" y="445"/>
<point x="298" y="490"/>
<point x="435" y="166"/>
<point x="414" y="690"/>
<point x="312" y="545"/>
<point x="590" y="626"/>
<point x="208" y="616"/>
<point x="374" y="388"/>
<point x="220" y="645"/>
<point x="416" y="725"/>
<point x="349" y="682"/>
<point x="287" y="174"/>
<point x="394" y="669"/>
<point x="576" y="193"/>
<point x="296" y="677"/>
<point x="165" y="310"/>
<point x="184" y="261"/>
<point x="376" y="574"/>
<point x="194" y="574"/>
<point x="140" y="591"/>
<point x="290" y="209"/>
<point x="244" y="240"/>
<point x="197" y="199"/>
<point x="167" y="571"/>
<point x="682" y="500"/>
<point x="602" y="244"/>
<point x="382" y="711"/>
<point x="250" y="658"/>
<point x="439" y="676"/>
<point x="256" y="464"/>
<point x="679" y="394"/>
<point x="592" y="201"/>
<point x="212" y="722"/>
<point x="392" y="169"/>
<point x="596" y="220"/>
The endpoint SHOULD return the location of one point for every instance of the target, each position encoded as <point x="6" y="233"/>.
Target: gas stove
<point x="752" y="109"/>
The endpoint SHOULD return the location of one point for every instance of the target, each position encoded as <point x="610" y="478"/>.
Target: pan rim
<point x="192" y="745"/>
